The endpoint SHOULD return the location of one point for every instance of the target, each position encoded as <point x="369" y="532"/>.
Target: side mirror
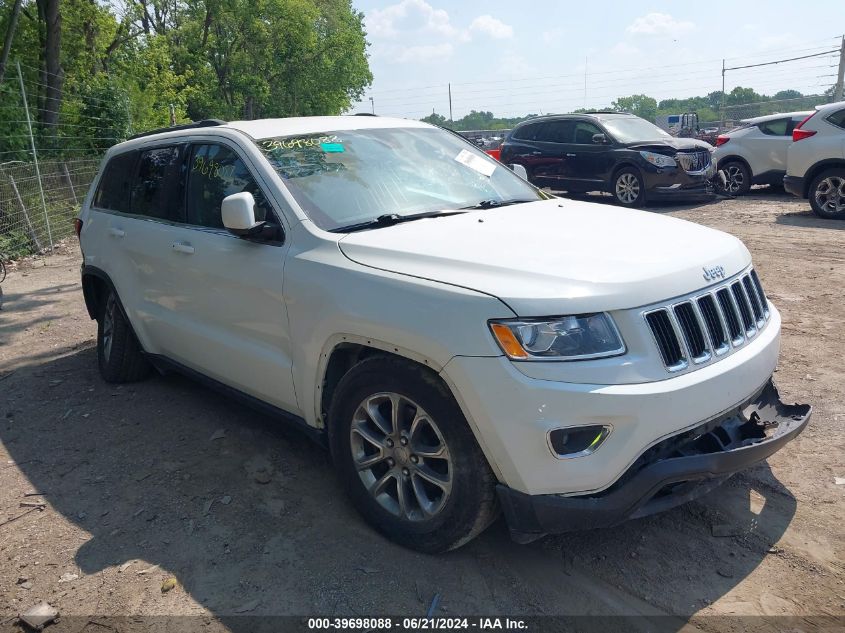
<point x="519" y="170"/>
<point x="599" y="139"/>
<point x="238" y="211"/>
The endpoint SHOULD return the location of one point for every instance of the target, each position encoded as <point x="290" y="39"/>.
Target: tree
<point x="743" y="96"/>
<point x="10" y="35"/>
<point x="52" y="76"/>
<point x="640" y="105"/>
<point x="435" y="119"/>
<point x="271" y="57"/>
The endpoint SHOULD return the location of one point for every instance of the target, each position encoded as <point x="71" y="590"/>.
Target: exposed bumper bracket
<point x="668" y="474"/>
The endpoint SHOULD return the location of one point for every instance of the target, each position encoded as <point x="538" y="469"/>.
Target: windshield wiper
<point x="390" y="219"/>
<point x="489" y="204"/>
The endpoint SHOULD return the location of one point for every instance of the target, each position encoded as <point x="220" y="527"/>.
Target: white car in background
<point x="755" y="152"/>
<point x="816" y="161"/>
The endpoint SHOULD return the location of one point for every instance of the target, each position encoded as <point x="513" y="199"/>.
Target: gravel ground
<point x="160" y="479"/>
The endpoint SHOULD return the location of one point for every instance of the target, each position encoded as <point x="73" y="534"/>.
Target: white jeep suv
<point x="816" y="161"/>
<point x="459" y="340"/>
<point x="755" y="152"/>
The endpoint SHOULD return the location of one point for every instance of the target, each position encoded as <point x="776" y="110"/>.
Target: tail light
<point x="799" y="134"/>
<point x="77" y="227"/>
<point x="495" y="153"/>
<point x="722" y="139"/>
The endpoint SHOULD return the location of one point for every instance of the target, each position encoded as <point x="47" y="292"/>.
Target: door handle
<point x="570" y="155"/>
<point x="536" y="153"/>
<point x="117" y="232"/>
<point x="183" y="247"/>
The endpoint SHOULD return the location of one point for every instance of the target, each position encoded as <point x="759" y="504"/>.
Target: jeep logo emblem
<point x="713" y="273"/>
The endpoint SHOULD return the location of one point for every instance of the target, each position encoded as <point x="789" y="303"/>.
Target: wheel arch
<point x="735" y="158"/>
<point x="623" y="164"/>
<point x="818" y="168"/>
<point x="343" y="351"/>
<point x="95" y="283"/>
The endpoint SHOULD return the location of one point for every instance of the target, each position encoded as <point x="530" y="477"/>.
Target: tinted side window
<point x="774" y="128"/>
<point x="113" y="191"/>
<point x="527" y="132"/>
<point x="584" y="131"/>
<point x="216" y="172"/>
<point x="153" y="187"/>
<point x="837" y="119"/>
<point x="557" y="132"/>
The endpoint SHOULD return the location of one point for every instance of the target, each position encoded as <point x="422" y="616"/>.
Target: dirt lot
<point x="157" y="480"/>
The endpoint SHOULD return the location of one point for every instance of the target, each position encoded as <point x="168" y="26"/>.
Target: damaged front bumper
<point x="668" y="474"/>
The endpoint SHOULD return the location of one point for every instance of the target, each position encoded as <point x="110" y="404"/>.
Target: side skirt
<point x="164" y="365"/>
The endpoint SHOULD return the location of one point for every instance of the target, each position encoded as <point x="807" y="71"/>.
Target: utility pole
<point x="373" y="105"/>
<point x="172" y="115"/>
<point x="722" y="104"/>
<point x="450" y="102"/>
<point x="840" y="76"/>
<point x="585" y="82"/>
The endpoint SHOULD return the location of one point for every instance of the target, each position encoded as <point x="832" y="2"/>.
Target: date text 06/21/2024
<point x="417" y="623"/>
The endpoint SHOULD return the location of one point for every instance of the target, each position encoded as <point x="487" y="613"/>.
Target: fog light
<point x="577" y="441"/>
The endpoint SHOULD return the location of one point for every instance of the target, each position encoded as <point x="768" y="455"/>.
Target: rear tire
<point x="119" y="354"/>
<point x="737" y="178"/>
<point x="407" y="458"/>
<point x="827" y="194"/>
<point x="628" y="188"/>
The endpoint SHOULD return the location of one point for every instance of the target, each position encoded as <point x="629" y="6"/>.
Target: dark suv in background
<point x="619" y="153"/>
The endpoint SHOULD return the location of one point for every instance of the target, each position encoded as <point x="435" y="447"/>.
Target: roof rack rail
<point x="173" y="128"/>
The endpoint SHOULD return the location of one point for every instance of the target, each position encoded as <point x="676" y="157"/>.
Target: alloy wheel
<point x="108" y="327"/>
<point x="830" y="194"/>
<point x="401" y="456"/>
<point x="734" y="179"/>
<point x="627" y="188"/>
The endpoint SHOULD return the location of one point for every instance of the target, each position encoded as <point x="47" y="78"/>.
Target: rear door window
<point x="155" y="190"/>
<point x="216" y="171"/>
<point x="528" y="132"/>
<point x="778" y="127"/>
<point x="558" y="132"/>
<point x="113" y="190"/>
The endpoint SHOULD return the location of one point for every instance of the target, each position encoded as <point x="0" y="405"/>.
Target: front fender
<point x="331" y="299"/>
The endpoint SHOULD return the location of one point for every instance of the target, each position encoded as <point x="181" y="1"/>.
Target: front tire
<point x="119" y="354"/>
<point x="628" y="188"/>
<point x="407" y="457"/>
<point x="827" y="194"/>
<point x="737" y="178"/>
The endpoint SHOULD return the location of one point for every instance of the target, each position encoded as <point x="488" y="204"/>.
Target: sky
<point x="513" y="57"/>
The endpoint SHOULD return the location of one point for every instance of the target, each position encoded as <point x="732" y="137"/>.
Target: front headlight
<point x="575" y="337"/>
<point x="659" y="160"/>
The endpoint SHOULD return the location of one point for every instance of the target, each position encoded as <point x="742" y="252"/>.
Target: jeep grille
<point x="700" y="328"/>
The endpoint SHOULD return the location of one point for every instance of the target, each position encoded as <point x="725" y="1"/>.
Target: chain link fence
<point x="30" y="223"/>
<point x="733" y="114"/>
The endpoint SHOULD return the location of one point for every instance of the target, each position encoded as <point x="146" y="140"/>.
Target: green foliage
<point x="640" y="105"/>
<point x="435" y="119"/>
<point x="14" y="245"/>
<point x="227" y="59"/>
<point x="707" y="107"/>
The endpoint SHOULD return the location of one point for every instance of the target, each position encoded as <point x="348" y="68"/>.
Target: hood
<point x="555" y="256"/>
<point x="673" y="144"/>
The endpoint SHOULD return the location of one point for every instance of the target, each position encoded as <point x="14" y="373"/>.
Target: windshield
<point x="348" y="177"/>
<point x="631" y="129"/>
